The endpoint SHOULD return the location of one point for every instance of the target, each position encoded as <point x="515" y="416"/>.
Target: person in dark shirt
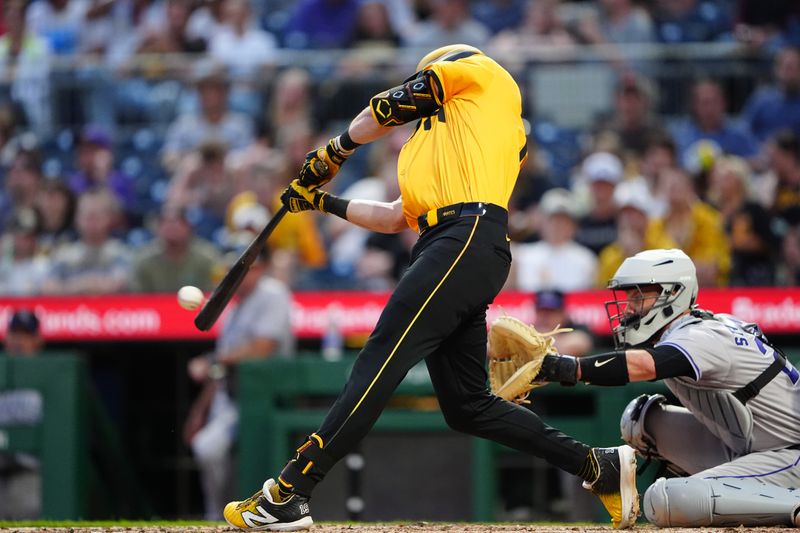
<point x="633" y="120"/>
<point x="775" y="107"/>
<point x="598" y="228"/>
<point x="709" y="122"/>
<point x="20" y="479"/>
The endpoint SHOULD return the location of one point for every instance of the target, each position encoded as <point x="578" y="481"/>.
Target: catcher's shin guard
<point x="726" y="502"/>
<point x="263" y="512"/>
<point x="615" y="483"/>
<point x="309" y="466"/>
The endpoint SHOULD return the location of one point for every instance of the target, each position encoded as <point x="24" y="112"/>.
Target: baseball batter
<point x="736" y="437"/>
<point x="456" y="173"/>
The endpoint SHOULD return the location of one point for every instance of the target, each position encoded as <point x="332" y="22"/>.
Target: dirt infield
<point x="401" y="528"/>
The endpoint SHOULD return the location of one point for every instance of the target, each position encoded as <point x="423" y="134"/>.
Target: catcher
<point x="456" y="173"/>
<point x="740" y="397"/>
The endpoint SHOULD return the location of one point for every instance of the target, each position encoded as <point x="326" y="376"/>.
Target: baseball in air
<point x="190" y="297"/>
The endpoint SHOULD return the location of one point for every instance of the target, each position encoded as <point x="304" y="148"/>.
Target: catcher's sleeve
<point x="605" y="369"/>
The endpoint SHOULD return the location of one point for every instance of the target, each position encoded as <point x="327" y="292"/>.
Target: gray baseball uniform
<point x="742" y="459"/>
<point x="725" y="357"/>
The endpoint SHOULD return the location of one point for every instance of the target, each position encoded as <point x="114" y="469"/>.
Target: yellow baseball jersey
<point x="471" y="150"/>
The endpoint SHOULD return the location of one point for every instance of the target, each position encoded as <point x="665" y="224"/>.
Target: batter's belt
<point x="434" y="217"/>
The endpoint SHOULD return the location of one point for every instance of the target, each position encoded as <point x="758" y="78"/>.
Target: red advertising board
<point x="154" y="317"/>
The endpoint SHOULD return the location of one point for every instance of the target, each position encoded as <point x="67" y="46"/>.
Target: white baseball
<point x="190" y="297"/>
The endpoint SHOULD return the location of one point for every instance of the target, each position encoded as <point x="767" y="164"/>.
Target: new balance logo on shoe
<point x="255" y="520"/>
<point x="261" y="512"/>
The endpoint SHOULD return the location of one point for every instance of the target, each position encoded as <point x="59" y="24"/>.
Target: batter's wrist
<point x="341" y="147"/>
<point x="346" y="142"/>
<point x="334" y="205"/>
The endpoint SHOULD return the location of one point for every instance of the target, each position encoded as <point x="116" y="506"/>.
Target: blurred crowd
<point x="144" y="142"/>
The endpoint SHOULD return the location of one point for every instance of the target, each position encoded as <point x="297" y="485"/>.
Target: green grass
<point x="105" y="523"/>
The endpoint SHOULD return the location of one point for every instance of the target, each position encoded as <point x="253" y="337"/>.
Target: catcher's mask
<point x="649" y="291"/>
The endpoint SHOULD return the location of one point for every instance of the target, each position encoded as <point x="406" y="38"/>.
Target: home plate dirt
<point x="422" y="527"/>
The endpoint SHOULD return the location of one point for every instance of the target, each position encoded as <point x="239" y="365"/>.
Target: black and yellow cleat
<point x="615" y="484"/>
<point x="263" y="512"/>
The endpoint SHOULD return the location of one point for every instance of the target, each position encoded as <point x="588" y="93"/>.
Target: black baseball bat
<point x="210" y="312"/>
<point x="226" y="288"/>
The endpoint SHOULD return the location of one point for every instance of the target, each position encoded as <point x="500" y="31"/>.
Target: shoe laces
<point x="249" y="501"/>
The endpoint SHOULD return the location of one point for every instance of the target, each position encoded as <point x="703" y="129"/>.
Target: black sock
<point x="284" y="494"/>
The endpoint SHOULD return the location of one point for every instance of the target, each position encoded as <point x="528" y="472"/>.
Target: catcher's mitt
<point x="516" y="351"/>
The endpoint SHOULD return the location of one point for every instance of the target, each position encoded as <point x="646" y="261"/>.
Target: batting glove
<point x="322" y="164"/>
<point x="298" y="198"/>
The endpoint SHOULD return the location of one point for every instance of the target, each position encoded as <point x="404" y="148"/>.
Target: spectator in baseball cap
<point x="96" y="169"/>
<point x="602" y="171"/>
<point x="555" y="261"/>
<point x="23" y="337"/>
<point x="551" y="313"/>
<point x="635" y="231"/>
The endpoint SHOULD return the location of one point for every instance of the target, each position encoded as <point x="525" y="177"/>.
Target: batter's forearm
<point x="381" y="217"/>
<point x="363" y="129"/>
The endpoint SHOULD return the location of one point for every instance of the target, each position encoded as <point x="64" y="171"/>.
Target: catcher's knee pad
<point x="631" y="423"/>
<point x="696" y="502"/>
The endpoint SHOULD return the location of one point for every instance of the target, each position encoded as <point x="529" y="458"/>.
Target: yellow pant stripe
<point x="318" y="438"/>
<point x="413" y="320"/>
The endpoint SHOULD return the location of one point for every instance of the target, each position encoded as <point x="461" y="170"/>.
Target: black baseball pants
<point x="438" y="313"/>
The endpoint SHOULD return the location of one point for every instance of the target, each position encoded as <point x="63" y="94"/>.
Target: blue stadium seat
<point x="138" y="237"/>
<point x="561" y="147"/>
<point x="52" y="167"/>
<point x="58" y="153"/>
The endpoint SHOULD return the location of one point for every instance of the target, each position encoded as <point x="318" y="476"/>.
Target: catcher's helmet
<point x="445" y="51"/>
<point x="673" y="272"/>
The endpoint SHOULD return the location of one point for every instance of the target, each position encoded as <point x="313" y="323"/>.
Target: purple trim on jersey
<point x="697" y="373"/>
<point x="758" y="475"/>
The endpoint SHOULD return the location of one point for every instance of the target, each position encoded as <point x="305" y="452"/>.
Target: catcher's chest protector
<point x="718" y="410"/>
